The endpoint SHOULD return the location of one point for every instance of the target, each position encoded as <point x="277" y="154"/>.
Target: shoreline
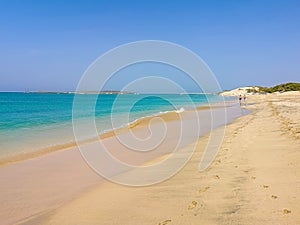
<point x="238" y="188"/>
<point x="143" y="121"/>
<point x="47" y="182"/>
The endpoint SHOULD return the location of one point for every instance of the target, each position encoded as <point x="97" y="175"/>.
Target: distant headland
<point x="262" y="90"/>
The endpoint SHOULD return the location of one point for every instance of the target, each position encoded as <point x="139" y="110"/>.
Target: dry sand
<point x="255" y="179"/>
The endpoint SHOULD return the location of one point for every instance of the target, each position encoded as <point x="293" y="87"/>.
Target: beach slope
<point x="255" y="179"/>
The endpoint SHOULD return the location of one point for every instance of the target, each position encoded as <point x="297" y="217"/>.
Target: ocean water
<point x="33" y="121"/>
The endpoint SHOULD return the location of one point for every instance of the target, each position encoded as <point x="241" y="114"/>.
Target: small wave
<point x="180" y="110"/>
<point x="141" y="118"/>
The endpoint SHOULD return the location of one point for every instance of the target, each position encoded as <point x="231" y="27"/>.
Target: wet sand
<point x="255" y="179"/>
<point x="143" y="122"/>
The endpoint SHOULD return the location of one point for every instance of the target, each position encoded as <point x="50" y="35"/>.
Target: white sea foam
<point x="180" y="110"/>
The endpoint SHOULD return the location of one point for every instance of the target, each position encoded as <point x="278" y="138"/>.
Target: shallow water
<point x="33" y="121"/>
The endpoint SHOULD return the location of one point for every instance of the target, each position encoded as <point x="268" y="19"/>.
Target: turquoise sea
<point x="33" y="121"/>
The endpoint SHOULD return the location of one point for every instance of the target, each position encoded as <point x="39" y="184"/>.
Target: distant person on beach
<point x="245" y="100"/>
<point x="240" y="100"/>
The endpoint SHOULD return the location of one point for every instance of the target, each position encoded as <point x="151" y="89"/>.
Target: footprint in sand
<point x="266" y="186"/>
<point x="192" y="205"/>
<point x="203" y="189"/>
<point x="274" y="197"/>
<point x="286" y="211"/>
<point x="253" y="177"/>
<point x="217" y="177"/>
<point x="218" y="161"/>
<point x="165" y="222"/>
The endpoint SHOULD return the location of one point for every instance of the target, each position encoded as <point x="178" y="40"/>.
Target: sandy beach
<point x="34" y="186"/>
<point x="150" y="112"/>
<point x="253" y="180"/>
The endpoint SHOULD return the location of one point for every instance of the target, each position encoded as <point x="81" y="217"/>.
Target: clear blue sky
<point x="47" y="45"/>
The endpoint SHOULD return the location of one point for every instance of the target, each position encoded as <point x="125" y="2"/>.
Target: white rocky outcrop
<point x="240" y="91"/>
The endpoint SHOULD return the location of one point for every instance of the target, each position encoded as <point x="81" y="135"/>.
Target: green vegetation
<point x="281" y="88"/>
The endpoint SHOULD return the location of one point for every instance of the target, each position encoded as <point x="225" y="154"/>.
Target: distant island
<point x="80" y="92"/>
